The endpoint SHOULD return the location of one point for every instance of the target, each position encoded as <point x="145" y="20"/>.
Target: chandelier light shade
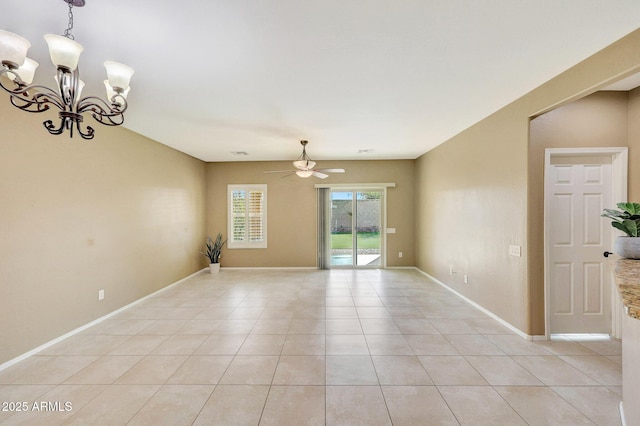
<point x="111" y="93"/>
<point x="13" y="48"/>
<point x="26" y="71"/>
<point x="65" y="55"/>
<point x="64" y="52"/>
<point x="118" y="75"/>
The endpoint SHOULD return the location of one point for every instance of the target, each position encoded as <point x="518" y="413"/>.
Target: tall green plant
<point x="213" y="248"/>
<point x="627" y="219"/>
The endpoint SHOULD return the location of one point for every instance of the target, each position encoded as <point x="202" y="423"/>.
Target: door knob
<point x="607" y="253"/>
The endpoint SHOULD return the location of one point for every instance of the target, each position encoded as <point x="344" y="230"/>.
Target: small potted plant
<point x="627" y="220"/>
<point x="213" y="249"/>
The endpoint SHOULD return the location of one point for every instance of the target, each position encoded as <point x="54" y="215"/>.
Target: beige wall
<point x="120" y="213"/>
<point x="471" y="207"/>
<point x="634" y="145"/>
<point x="598" y="120"/>
<point x="473" y="193"/>
<point x="291" y="204"/>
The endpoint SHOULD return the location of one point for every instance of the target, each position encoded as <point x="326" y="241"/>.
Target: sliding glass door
<point x="356" y="228"/>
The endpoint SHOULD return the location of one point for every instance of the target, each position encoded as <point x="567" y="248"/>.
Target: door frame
<point x="619" y="171"/>
<point x="383" y="220"/>
<point x="383" y="229"/>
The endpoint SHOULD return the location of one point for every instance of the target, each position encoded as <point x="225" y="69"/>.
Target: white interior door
<point x="579" y="284"/>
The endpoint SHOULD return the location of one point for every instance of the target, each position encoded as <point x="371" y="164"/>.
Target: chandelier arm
<point x="89" y="134"/>
<point x="102" y="112"/>
<point x="39" y="101"/>
<point x="68" y="87"/>
<point x="51" y="128"/>
<point x="44" y="96"/>
<point x="67" y="122"/>
<point x="27" y="106"/>
<point x="115" y="108"/>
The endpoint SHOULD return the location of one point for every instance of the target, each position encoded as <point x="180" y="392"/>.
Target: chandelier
<point x="18" y="71"/>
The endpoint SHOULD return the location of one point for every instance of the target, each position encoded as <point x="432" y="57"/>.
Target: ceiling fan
<point x="305" y="166"/>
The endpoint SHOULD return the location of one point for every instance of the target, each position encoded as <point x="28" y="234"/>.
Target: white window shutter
<point x="256" y="216"/>
<point x="247" y="216"/>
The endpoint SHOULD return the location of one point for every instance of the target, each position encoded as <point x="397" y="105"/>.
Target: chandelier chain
<point x="67" y="32"/>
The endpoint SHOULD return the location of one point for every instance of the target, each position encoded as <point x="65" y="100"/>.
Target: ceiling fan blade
<point x="320" y="175"/>
<point x="280" y="171"/>
<point x="288" y="174"/>
<point x="330" y="170"/>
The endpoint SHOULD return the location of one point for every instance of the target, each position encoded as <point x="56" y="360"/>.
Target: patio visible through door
<point x="356" y="224"/>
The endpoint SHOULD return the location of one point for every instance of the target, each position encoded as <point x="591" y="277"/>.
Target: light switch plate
<point x="514" y="251"/>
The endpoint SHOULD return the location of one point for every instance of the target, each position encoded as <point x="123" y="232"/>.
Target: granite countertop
<point x="627" y="273"/>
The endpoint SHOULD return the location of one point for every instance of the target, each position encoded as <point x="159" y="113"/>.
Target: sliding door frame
<point x="325" y="234"/>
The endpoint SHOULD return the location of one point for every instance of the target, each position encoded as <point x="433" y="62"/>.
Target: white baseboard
<point x="91" y="324"/>
<point x="484" y="310"/>
<point x="413" y="268"/>
<point x="270" y="268"/>
<point x="539" y="337"/>
<point x="622" y="419"/>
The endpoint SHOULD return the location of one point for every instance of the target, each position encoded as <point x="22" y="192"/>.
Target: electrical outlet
<point x="514" y="251"/>
<point x="399" y="254"/>
<point x="451" y="271"/>
<point x="100" y="294"/>
<point x="466" y="279"/>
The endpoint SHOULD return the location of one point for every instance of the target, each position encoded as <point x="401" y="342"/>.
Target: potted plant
<point x="213" y="249"/>
<point x="627" y="220"/>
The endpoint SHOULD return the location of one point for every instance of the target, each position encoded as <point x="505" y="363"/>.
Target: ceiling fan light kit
<point x="305" y="173"/>
<point x="305" y="166"/>
<point x="304" y="162"/>
<point x="65" y="55"/>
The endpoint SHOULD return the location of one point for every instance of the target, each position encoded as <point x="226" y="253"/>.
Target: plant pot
<point x="214" y="268"/>
<point x="628" y="247"/>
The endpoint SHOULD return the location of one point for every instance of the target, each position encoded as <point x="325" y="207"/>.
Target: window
<point x="247" y="217"/>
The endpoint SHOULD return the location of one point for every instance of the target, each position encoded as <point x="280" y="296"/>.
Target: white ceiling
<point x="395" y="77"/>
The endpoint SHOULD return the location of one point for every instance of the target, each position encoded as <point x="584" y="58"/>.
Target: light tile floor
<point x="269" y="347"/>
